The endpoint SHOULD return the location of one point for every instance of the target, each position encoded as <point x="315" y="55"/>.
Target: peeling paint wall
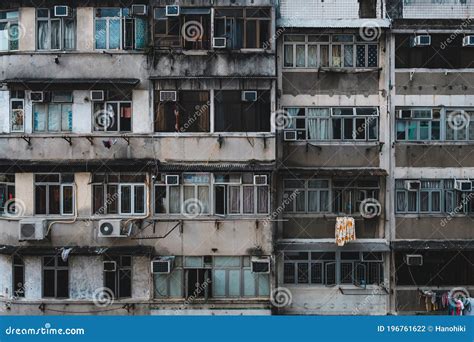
<point x="85" y="276"/>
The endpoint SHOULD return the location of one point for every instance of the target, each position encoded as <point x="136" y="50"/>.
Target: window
<point x="191" y="195"/>
<point x="54" y="194"/>
<point x="123" y="194"/>
<point x="55" y="33"/>
<point x="116" y="29"/>
<point x="432" y="197"/>
<point x="189" y="114"/>
<point x="244" y="28"/>
<point x="212" y="277"/>
<point x="319" y="268"/>
<point x="120" y="280"/>
<point x="336" y="50"/>
<point x="7" y="193"/>
<point x="311" y="196"/>
<point x="18" y="277"/>
<point x="236" y="194"/>
<point x="232" y="114"/>
<point x="9" y="31"/>
<point x="55" y="116"/>
<point x="55" y="277"/>
<point x="337" y="124"/>
<point x="309" y="268"/>
<point x="17" y="111"/>
<point x="434" y="124"/>
<point x="191" y="30"/>
<point x="328" y="196"/>
<point x="115" y="114"/>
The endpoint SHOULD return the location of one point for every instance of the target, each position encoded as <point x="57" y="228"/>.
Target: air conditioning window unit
<point x="468" y="41"/>
<point x="110" y="266"/>
<point x="97" y="95"/>
<point x="139" y="10"/>
<point x="62" y="11"/>
<point x="414" y="259"/>
<point x="168" y="96"/>
<point x="421" y="40"/>
<point x="462" y="185"/>
<point x="32" y="229"/>
<point x="172" y="180"/>
<point x="163" y="265"/>
<point x="260" y="179"/>
<point x="172" y="11"/>
<point x="290" y="136"/>
<point x="249" y="96"/>
<point x="219" y="42"/>
<point x="260" y="265"/>
<point x="111" y="228"/>
<point x="412" y="185"/>
<point x="38" y="96"/>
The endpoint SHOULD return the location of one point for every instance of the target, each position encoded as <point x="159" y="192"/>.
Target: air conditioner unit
<point x="412" y="185"/>
<point x="163" y="265"/>
<point x="168" y="96"/>
<point x="260" y="265"/>
<point x="32" y="229"/>
<point x="139" y="10"/>
<point x="249" y="96"/>
<point x="110" y="266"/>
<point x="414" y="259"/>
<point x="62" y="11"/>
<point x="260" y="180"/>
<point x="38" y="96"/>
<point x="463" y="185"/>
<point x="111" y="228"/>
<point x="172" y="180"/>
<point x="219" y="43"/>
<point x="172" y="11"/>
<point x="468" y="41"/>
<point x="289" y="136"/>
<point x="404" y="114"/>
<point x="97" y="95"/>
<point x="421" y="40"/>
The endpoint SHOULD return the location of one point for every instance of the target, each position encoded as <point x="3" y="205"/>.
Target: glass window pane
<point x="263" y="285"/>
<point x="126" y="199"/>
<point x="313" y="201"/>
<point x="249" y="283"/>
<point x="161" y="285"/>
<point x="54" y="199"/>
<point x="43" y="35"/>
<point x="300" y="56"/>
<point x="360" y="51"/>
<point x="262" y="198"/>
<point x="54" y="117"/>
<point x="303" y="273"/>
<point x="139" y="200"/>
<point x="435" y="201"/>
<point x="55" y="34"/>
<point x="176" y="283"/>
<point x="324" y="55"/>
<point x="100" y="34"/>
<point x="348" y="56"/>
<point x="68" y="200"/>
<point x="234" y="199"/>
<point x="289" y="273"/>
<point x="39" y="117"/>
<point x="175" y="202"/>
<point x="312" y="56"/>
<point x="424" y="201"/>
<point x="401" y="204"/>
<point x="336" y="56"/>
<point x="372" y="58"/>
<point x="288" y="62"/>
<point x="114" y="34"/>
<point x="234" y="283"/>
<point x="203" y="197"/>
<point x="248" y="202"/>
<point x="218" y="286"/>
<point x="412" y="205"/>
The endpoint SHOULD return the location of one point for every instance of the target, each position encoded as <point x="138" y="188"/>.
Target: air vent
<point x="168" y="96"/>
<point x="219" y="43"/>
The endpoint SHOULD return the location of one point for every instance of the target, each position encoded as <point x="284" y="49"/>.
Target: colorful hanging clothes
<point x="345" y="230"/>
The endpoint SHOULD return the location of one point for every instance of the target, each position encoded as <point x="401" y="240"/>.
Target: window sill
<point x="213" y="51"/>
<point x="435" y="143"/>
<point x="72" y="52"/>
<point x="333" y="142"/>
<point x="421" y="216"/>
<point x="332" y="69"/>
<point x="155" y="135"/>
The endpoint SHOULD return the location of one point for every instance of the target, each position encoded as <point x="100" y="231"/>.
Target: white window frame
<point x="9" y="23"/>
<point x="11" y="115"/>
<point x="61" y="195"/>
<point x="61" y="20"/>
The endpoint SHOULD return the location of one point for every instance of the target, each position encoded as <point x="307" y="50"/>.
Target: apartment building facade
<point x="333" y="157"/>
<point x="235" y="156"/>
<point x="432" y="106"/>
<point x="137" y="157"/>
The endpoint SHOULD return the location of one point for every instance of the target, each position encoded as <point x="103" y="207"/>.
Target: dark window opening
<point x="55" y="277"/>
<point x="198" y="283"/>
<point x="54" y="194"/>
<point x="18" y="277"/>
<point x="232" y="114"/>
<point x="120" y="280"/>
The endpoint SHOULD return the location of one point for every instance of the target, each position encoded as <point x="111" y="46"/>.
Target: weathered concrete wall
<point x="86" y="275"/>
<point x="165" y="148"/>
<point x="322" y="155"/>
<point x="33" y="277"/>
<point x="6" y="281"/>
<point x="141" y="278"/>
<point x="434" y="155"/>
<point x="434" y="227"/>
<point x="424" y="82"/>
